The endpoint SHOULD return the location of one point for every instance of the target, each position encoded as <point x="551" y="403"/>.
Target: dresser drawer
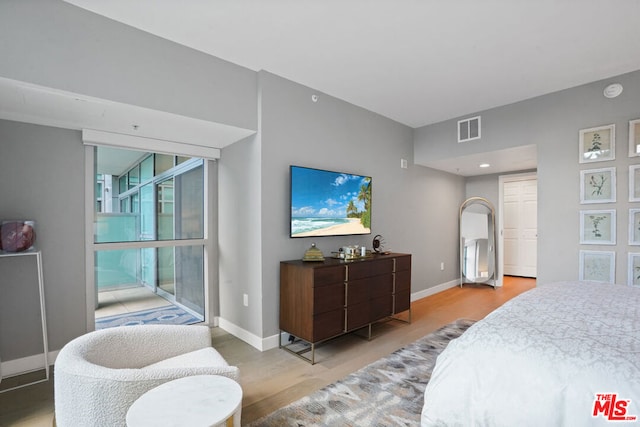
<point x="383" y="266"/>
<point x="401" y="301"/>
<point x="327" y="298"/>
<point x="358" y="270"/>
<point x="357" y="291"/>
<point x="358" y="316"/>
<point x="402" y="280"/>
<point x="403" y="263"/>
<point x="327" y="325"/>
<point x="381" y="286"/>
<point x="328" y="275"/>
<point x="381" y="307"/>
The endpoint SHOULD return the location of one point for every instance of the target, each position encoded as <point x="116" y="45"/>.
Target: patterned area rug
<point x="169" y="315"/>
<point x="388" y="392"/>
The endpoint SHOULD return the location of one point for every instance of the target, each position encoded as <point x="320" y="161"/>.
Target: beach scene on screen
<point x="325" y="203"/>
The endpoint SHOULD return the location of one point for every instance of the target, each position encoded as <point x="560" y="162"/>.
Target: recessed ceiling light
<point x="613" y="90"/>
<point x="485" y="165"/>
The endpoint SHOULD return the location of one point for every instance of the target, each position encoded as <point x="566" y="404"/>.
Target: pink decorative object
<point x="17" y="236"/>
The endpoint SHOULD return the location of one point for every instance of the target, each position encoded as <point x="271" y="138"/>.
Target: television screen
<point x="326" y="203"/>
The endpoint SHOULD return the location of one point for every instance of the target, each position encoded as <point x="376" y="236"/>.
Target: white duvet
<point x="543" y="359"/>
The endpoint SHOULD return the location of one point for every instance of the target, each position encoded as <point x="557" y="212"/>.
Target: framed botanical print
<point x="634" y="227"/>
<point x="598" y="185"/>
<point x="634" y="269"/>
<point x="598" y="227"/>
<point x="597" y="144"/>
<point x="634" y="138"/>
<point x="599" y="266"/>
<point x="634" y="183"/>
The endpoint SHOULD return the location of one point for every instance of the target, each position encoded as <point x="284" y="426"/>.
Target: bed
<point x="562" y="354"/>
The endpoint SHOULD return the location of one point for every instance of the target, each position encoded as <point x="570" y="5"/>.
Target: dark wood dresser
<point x="322" y="300"/>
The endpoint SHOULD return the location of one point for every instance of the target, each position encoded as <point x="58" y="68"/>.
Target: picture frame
<point x="598" y="185"/>
<point x="598" y="227"/>
<point x="634" y="183"/>
<point x="634" y="138"/>
<point x="597" y="266"/>
<point x="597" y="144"/>
<point x="634" y="227"/>
<point x="633" y="275"/>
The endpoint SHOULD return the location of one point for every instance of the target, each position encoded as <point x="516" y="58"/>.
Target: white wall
<point x="552" y="123"/>
<point x="415" y="209"/>
<point x="239" y="242"/>
<point x="42" y="178"/>
<point x="55" y="44"/>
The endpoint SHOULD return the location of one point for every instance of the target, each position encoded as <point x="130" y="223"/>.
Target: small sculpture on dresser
<point x="378" y="243"/>
<point x="313" y="254"/>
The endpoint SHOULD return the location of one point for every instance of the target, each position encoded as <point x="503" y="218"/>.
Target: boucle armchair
<point x="99" y="375"/>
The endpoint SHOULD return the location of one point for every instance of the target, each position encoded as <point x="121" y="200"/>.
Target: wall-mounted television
<point x="327" y="203"/>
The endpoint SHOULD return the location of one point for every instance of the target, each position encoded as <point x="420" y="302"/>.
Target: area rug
<point x="388" y="392"/>
<point x="169" y="315"/>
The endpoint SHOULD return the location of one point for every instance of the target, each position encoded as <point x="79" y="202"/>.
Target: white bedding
<point x="540" y="360"/>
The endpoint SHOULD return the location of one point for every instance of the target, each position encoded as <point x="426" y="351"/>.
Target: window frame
<point x="210" y="218"/>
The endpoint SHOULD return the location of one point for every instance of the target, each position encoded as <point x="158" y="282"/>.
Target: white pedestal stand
<point x="45" y="343"/>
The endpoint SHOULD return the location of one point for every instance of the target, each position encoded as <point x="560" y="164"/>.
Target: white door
<point x="520" y="225"/>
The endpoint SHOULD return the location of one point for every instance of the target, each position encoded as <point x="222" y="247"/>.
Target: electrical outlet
<point x="245" y="300"/>
<point x="442" y="266"/>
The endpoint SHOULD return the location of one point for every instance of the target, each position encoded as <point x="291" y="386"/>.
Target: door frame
<point x="210" y="236"/>
<point x="502" y="179"/>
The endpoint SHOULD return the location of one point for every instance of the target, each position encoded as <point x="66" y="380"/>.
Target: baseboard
<point x="34" y="363"/>
<point x="259" y="343"/>
<point x="273" y="341"/>
<point x="434" y="290"/>
<point x="11" y="368"/>
<point x="24" y="365"/>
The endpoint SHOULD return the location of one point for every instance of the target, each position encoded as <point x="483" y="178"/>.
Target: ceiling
<point x="415" y="61"/>
<point x="116" y="161"/>
<point x="508" y="160"/>
<point x="26" y="102"/>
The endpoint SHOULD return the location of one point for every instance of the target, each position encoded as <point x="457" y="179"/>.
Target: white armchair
<point x="98" y="376"/>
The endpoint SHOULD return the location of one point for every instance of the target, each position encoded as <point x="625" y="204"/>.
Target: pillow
<point x="203" y="358"/>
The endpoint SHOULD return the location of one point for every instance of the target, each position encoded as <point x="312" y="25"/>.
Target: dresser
<point x="322" y="300"/>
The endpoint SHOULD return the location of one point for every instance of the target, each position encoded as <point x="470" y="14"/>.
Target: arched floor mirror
<point x="478" y="262"/>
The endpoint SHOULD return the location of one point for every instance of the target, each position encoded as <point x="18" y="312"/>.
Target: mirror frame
<point x="493" y="278"/>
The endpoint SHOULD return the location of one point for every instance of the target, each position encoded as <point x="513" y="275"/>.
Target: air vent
<point x="469" y="129"/>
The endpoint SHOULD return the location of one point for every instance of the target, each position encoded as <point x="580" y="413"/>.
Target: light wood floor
<point x="274" y="378"/>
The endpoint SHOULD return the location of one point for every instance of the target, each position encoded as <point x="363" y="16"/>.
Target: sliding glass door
<point x="152" y="233"/>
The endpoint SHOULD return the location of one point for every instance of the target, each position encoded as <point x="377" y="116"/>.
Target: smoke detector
<point x="613" y="90"/>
